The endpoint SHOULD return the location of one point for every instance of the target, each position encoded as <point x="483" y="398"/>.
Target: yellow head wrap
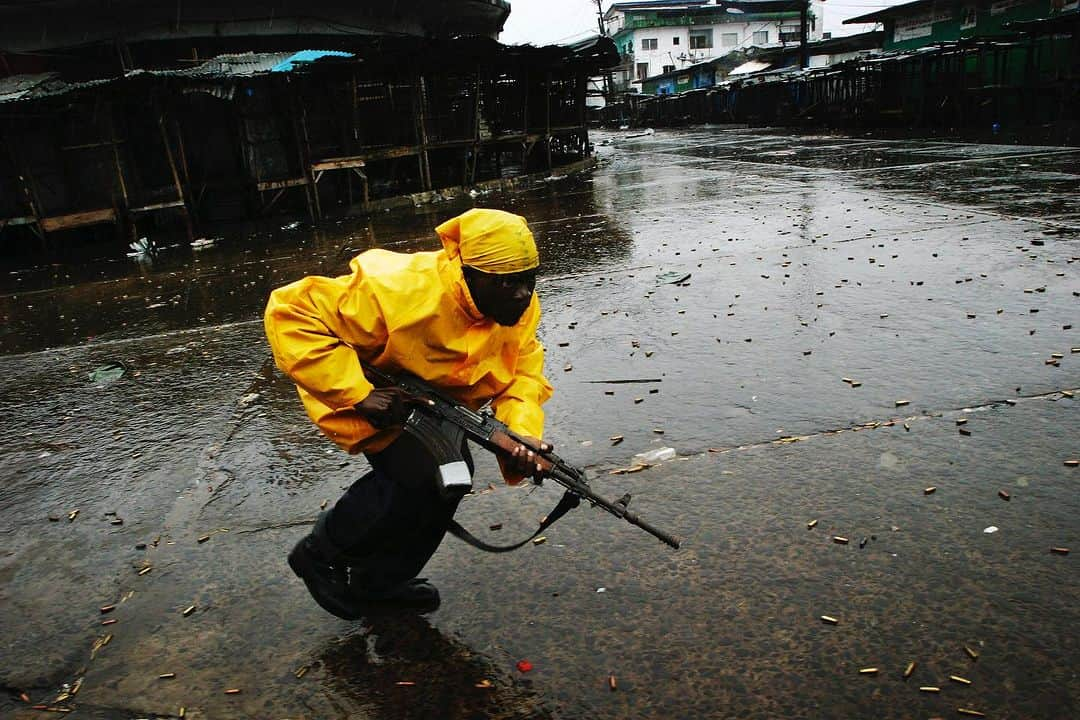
<point x="492" y="241"/>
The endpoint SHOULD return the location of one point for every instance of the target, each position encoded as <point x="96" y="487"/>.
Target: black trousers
<point x="391" y="521"/>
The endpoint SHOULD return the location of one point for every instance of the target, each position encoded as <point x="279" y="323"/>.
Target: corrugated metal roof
<point x="223" y="67"/>
<point x="749" y="67"/>
<point x="17" y="86"/>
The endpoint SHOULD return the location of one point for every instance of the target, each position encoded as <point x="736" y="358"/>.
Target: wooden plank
<point x="278" y="184"/>
<point x="337" y="163"/>
<point x="90" y="146"/>
<point x="158" y="206"/>
<point x="79" y="219"/>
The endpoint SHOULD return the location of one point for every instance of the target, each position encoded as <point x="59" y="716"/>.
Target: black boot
<point x="417" y="595"/>
<point x="322" y="567"/>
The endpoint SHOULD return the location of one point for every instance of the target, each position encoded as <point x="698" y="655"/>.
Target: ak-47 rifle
<point x="442" y="424"/>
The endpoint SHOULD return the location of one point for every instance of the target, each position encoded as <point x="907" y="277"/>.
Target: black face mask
<point x="503" y="298"/>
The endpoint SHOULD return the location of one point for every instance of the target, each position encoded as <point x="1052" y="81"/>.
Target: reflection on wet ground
<point x="849" y="302"/>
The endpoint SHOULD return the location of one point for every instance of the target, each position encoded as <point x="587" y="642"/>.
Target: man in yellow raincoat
<point x="464" y="319"/>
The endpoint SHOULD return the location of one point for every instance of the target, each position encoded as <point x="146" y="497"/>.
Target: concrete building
<point x="662" y="36"/>
<point x="927" y="22"/>
<point x="740" y="64"/>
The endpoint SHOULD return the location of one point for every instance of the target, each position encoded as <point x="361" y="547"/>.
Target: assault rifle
<point x="442" y="424"/>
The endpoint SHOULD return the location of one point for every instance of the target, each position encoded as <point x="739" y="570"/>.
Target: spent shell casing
<point x="969" y="711"/>
<point x="301" y="671"/>
<point x="1060" y="550"/>
<point x="840" y="540"/>
<point x="929" y="689"/>
<point x="964" y="431"/>
<point x="110" y="621"/>
<point x="909" y="669"/>
<point x="810" y="525"/>
<point x="1004" y="495"/>
<point x="930" y="490"/>
<point x="107" y="609"/>
<point x="188" y="610"/>
<point x="611" y="682"/>
<point x="203" y="538"/>
<point x="901" y="403"/>
<point x="232" y="691"/>
<point x="958" y="679"/>
<point x="868" y="671"/>
<point x="405" y="683"/>
<point x="830" y="620"/>
<point x="181" y="712"/>
<point x="166" y="676"/>
<point x="1072" y="463"/>
<point x="146" y="569"/>
<point x="540" y="540"/>
<point x="971" y="653"/>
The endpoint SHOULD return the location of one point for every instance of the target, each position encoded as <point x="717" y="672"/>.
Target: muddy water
<point x="940" y="274"/>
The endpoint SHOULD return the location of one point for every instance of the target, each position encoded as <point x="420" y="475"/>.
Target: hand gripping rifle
<point x="442" y="425"/>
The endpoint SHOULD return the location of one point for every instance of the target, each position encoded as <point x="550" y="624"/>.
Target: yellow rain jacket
<point x="409" y="312"/>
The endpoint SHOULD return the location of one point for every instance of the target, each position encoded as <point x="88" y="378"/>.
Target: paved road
<point x="850" y="302"/>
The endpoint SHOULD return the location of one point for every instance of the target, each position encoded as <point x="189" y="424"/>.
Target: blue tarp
<point x="306" y="56"/>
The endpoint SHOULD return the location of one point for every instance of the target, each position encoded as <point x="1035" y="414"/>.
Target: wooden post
<point x="123" y="213"/>
<point x="175" y="174"/>
<point x="26" y="185"/>
<point x="547" y="118"/>
<point x="304" y="150"/>
<point x="525" y="123"/>
<point x="425" y="167"/>
<point x="470" y="178"/>
<point x="581" y="83"/>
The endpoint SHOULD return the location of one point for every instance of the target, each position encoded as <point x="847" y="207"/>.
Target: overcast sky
<point x="543" y="22"/>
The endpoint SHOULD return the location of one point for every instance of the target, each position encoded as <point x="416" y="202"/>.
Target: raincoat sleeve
<point x="316" y="325"/>
<point x="519" y="404"/>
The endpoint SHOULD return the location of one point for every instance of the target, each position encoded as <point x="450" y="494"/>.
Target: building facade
<point x="655" y="37"/>
<point x="927" y="22"/>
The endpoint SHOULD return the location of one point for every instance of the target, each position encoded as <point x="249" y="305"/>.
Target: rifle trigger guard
<point x="623" y="502"/>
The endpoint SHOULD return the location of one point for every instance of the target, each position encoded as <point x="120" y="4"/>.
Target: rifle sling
<point x="568" y="502"/>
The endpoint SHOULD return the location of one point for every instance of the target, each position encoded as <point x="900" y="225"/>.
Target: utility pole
<point x="603" y="33"/>
<point x="804" y="22"/>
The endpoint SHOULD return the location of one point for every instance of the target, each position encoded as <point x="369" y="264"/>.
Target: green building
<point x="927" y="22"/>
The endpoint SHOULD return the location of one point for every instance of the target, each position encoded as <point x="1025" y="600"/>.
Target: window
<point x="729" y="39"/>
<point x="761" y="37"/>
<point x="642" y="71"/>
<point x="648" y="43"/>
<point x="790" y="36"/>
<point x="700" y="39"/>
<point x="668" y="68"/>
<point x="675" y="40"/>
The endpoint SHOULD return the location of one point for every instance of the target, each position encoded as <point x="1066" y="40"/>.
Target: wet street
<point x="841" y="338"/>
